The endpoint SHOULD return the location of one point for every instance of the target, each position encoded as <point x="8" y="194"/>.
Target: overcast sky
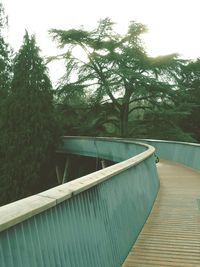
<point x="173" y="24"/>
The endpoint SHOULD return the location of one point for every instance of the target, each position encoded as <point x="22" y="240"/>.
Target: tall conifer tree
<point x="5" y="79"/>
<point x="5" y="62"/>
<point x="29" y="125"/>
<point x="118" y="69"/>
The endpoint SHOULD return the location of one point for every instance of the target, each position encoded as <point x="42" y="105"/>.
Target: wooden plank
<point x="171" y="235"/>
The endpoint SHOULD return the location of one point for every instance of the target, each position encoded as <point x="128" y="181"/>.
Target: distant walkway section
<point x="171" y="235"/>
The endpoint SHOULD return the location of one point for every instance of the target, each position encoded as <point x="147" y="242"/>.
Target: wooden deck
<point x="171" y="235"/>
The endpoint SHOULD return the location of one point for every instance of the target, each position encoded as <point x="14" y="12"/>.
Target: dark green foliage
<point x="5" y="60"/>
<point x="191" y="81"/>
<point x="5" y="79"/>
<point x="28" y="136"/>
<point x="162" y="125"/>
<point x="81" y="114"/>
<point x="5" y="69"/>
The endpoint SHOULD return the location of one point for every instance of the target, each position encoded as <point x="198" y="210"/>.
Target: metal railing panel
<point x="181" y="152"/>
<point x="94" y="226"/>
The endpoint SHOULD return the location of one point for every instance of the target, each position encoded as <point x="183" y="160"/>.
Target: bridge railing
<point x="91" y="221"/>
<point x="181" y="152"/>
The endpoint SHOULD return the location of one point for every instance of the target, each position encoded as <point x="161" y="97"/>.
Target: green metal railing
<point x="89" y="222"/>
<point x="181" y="152"/>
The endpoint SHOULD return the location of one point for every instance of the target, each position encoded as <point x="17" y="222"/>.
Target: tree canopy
<point x="117" y="69"/>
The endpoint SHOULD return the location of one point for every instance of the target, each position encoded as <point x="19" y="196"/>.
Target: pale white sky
<point x="173" y="24"/>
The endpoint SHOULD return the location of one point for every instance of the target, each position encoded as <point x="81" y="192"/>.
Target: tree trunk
<point x="124" y="120"/>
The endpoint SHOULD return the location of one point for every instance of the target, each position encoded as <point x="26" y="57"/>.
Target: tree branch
<point x="141" y="98"/>
<point x="139" y="107"/>
<point x="100" y="73"/>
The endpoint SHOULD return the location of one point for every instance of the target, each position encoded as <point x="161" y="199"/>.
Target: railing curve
<point x="181" y="152"/>
<point x="91" y="221"/>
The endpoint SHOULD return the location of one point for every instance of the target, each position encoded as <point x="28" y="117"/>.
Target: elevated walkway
<point x="94" y="221"/>
<point x="171" y="235"/>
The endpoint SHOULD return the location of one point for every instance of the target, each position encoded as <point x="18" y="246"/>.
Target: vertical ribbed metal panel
<point x="107" y="149"/>
<point x="95" y="228"/>
<point x="184" y="153"/>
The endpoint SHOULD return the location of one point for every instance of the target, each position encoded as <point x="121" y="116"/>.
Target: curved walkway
<point x="171" y="235"/>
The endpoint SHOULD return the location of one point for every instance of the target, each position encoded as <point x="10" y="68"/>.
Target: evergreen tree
<point x="5" y="79"/>
<point x="29" y="129"/>
<point x="191" y="81"/>
<point x="118" y="69"/>
<point x="5" y="62"/>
